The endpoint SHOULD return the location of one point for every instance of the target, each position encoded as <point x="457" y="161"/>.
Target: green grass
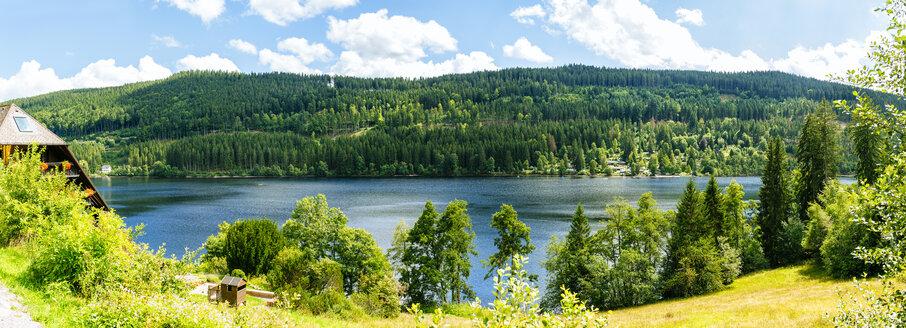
<point x="795" y="296"/>
<point x="52" y="308"/>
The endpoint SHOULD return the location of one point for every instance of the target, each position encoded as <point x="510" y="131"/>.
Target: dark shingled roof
<point x="231" y="281"/>
<point x="10" y="134"/>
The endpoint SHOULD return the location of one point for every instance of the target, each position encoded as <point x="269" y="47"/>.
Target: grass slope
<point x="795" y="296"/>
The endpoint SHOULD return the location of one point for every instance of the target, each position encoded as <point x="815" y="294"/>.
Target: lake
<point x="182" y="213"/>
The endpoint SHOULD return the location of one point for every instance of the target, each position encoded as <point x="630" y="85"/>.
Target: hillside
<point x="510" y="121"/>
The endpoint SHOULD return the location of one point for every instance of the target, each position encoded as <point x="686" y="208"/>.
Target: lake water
<point x="182" y="213"/>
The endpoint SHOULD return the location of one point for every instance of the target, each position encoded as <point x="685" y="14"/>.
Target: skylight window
<point x="22" y="124"/>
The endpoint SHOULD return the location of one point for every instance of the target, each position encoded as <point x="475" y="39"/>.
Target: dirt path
<point x="11" y="314"/>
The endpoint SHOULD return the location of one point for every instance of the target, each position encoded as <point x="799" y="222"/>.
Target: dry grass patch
<point x="796" y="296"/>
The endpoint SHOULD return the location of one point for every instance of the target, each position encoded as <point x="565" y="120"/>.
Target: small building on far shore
<point x="18" y="130"/>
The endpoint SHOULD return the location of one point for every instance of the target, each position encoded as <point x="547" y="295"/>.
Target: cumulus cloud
<point x="167" y="41"/>
<point x="207" y="10"/>
<point x="302" y="53"/>
<point x="243" y="46"/>
<point x="828" y="59"/>
<point x="380" y="45"/>
<point x="282" y="12"/>
<point x="631" y="33"/>
<point x="693" y="16"/>
<point x="527" y="15"/>
<point x="33" y="80"/>
<point x="212" y="62"/>
<point x="307" y="52"/>
<point x="523" y="49"/>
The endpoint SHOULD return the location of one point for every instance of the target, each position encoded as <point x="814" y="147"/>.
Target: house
<point x="18" y="130"/>
<point x="106" y="169"/>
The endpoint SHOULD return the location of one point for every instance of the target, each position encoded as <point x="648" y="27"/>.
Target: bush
<point x="127" y="309"/>
<point x="731" y="264"/>
<point x="380" y="295"/>
<point x="817" y="229"/>
<point x="839" y="249"/>
<point x="252" y="244"/>
<point x="792" y="232"/>
<point x="700" y="270"/>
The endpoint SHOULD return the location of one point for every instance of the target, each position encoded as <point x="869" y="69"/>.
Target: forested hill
<point x="511" y="121"/>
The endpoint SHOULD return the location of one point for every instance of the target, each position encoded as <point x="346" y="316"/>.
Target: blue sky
<point x="61" y="44"/>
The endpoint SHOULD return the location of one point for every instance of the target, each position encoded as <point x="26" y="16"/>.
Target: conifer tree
<point x="817" y="157"/>
<point x="713" y="211"/>
<point x="774" y="206"/>
<point x="868" y="145"/>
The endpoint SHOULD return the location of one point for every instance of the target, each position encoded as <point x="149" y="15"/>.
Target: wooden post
<point x="7" y="151"/>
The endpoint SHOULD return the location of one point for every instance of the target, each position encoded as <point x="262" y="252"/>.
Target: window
<point x="22" y="124"/>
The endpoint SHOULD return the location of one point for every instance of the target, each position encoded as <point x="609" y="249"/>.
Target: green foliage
<point x="817" y="229"/>
<point x="516" y="304"/>
<point x="399" y="246"/>
<point x="251" y="244"/>
<point x="456" y="246"/>
<point x="129" y="309"/>
<point x="380" y="295"/>
<point x="774" y="207"/>
<point x="568" y="261"/>
<point x="817" y="155"/>
<point x="437" y="261"/>
<point x="513" y="238"/>
<point x="699" y="270"/>
<point x="215" y="123"/>
<point x="869" y="145"/>
<point x="320" y="229"/>
<point x="422" y="271"/>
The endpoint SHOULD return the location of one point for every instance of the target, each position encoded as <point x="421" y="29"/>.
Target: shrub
<point x="252" y="244"/>
<point x="839" y="249"/>
<point x="700" y="270"/>
<point x="792" y="232"/>
<point x="817" y="229"/>
<point x="730" y="264"/>
<point x="127" y="309"/>
<point x="380" y="295"/>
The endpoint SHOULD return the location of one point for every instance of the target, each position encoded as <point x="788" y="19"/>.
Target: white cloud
<point x="827" y="59"/>
<point x="302" y="53"/>
<point x="285" y="63"/>
<point x="33" y="80"/>
<point x="352" y="64"/>
<point x="243" y="46"/>
<point x="631" y="33"/>
<point x="523" y="49"/>
<point x="693" y="16"/>
<point x="167" y="41"/>
<point x="399" y="37"/>
<point x="307" y="52"/>
<point x="207" y="10"/>
<point x="527" y="15"/>
<point x="212" y="62"/>
<point x="380" y="45"/>
<point x="282" y="12"/>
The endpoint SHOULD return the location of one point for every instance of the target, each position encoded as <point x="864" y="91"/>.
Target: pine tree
<point x="421" y="258"/>
<point x="817" y="157"/>
<point x="774" y="206"/>
<point x="687" y="226"/>
<point x="869" y="147"/>
<point x="713" y="211"/>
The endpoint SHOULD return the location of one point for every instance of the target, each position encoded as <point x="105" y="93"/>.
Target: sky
<point x="51" y="45"/>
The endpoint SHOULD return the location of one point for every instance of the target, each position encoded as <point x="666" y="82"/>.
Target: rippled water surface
<point x="184" y="212"/>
